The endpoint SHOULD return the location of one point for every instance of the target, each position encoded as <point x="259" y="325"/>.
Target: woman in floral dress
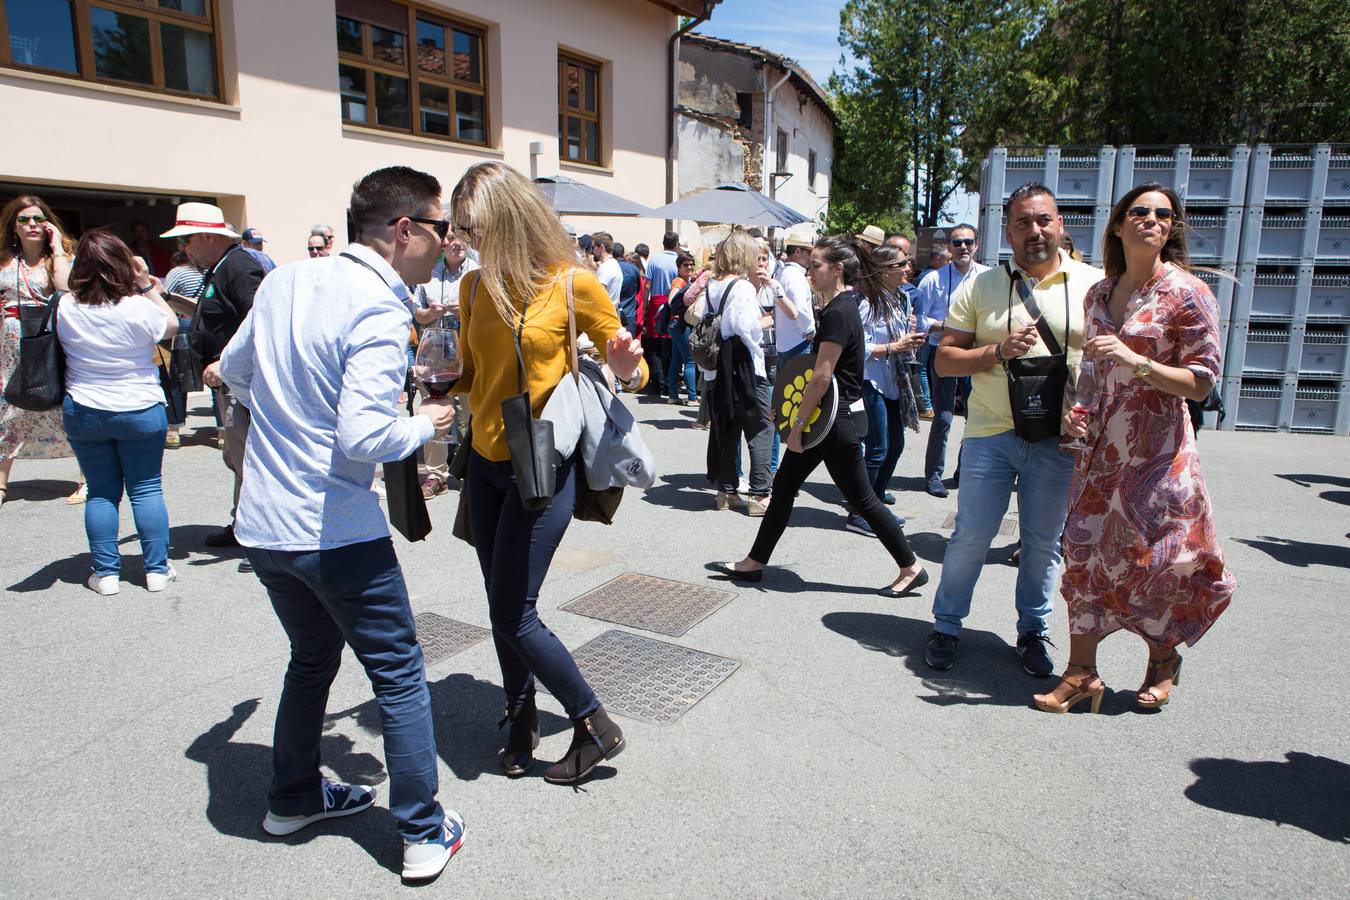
<point x="1139" y="544"/>
<point x="34" y="263"/>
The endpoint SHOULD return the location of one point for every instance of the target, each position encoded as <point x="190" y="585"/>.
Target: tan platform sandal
<point x="1151" y="695"/>
<point x="1092" y="688"/>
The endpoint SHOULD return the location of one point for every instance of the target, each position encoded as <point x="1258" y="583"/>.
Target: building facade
<point x="747" y="114"/>
<point x="273" y="109"/>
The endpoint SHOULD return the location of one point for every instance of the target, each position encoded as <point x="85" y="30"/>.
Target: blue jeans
<point x="943" y="393"/>
<point x="120" y="450"/>
<point x="681" y="362"/>
<point x="989" y="466"/>
<point x="885" y="437"/>
<point x="925" y="399"/>
<point x="353" y="595"/>
<point x="515" y="547"/>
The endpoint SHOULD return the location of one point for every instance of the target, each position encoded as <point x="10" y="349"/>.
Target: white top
<point x="320" y="363"/>
<point x="611" y="276"/>
<point x="443" y="288"/>
<point x="740" y="319"/>
<point x="110" y="352"/>
<point x="792" y="332"/>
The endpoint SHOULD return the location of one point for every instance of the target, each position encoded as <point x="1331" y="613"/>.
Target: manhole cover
<point x="1007" y="528"/>
<point x="441" y="637"/>
<point x="652" y="604"/>
<point x="647" y="679"/>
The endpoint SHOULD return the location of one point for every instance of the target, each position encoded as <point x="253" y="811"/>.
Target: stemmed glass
<point x="1085" y="396"/>
<point x="438" y="365"/>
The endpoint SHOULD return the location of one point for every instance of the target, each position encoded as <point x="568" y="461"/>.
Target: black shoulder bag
<point x="38" y="382"/>
<point x="1036" y="384"/>
<point x="529" y="439"/>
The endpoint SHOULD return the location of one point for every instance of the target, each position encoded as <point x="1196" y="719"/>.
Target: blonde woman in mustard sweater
<point x="527" y="258"/>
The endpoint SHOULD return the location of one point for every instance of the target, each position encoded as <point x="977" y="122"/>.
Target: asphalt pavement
<point x="832" y="762"/>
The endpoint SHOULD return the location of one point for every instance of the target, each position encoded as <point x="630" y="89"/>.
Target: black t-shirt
<point x="225" y="302"/>
<point x="841" y="323"/>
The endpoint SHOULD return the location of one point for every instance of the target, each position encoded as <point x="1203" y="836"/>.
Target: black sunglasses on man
<point x="442" y="226"/>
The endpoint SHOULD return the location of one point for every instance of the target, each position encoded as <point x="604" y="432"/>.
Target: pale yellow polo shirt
<point x="980" y="306"/>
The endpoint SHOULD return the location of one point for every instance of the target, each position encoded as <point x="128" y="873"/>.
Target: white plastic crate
<point x="1260" y="350"/>
<point x="1324" y="351"/>
<point x="1086" y="227"/>
<point x="1213" y="235"/>
<point x="1338" y="178"/>
<point x="1279" y="235"/>
<point x="1201" y="176"/>
<point x="1317" y="406"/>
<point x="1333" y="237"/>
<point x="1258" y="404"/>
<point x="1328" y="297"/>
<point x="1263" y="294"/>
<point x="1076" y="175"/>
<point x="1285" y="176"/>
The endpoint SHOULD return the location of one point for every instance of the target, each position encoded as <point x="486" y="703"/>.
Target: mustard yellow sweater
<point x="488" y="349"/>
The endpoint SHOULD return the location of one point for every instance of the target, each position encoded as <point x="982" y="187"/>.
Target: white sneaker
<point x="426" y="859"/>
<point x="158" y="581"/>
<point x="107" y="585"/>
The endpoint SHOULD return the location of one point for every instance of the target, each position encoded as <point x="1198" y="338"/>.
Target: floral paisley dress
<point x="25" y="434"/>
<point x="1139" y="544"/>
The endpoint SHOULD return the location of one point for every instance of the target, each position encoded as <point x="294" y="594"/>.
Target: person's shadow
<point x="465" y="711"/>
<point x="1333" y="480"/>
<point x="1301" y="554"/>
<point x="237" y="775"/>
<point x="1305" y="791"/>
<point x="987" y="671"/>
<point x="185" y="548"/>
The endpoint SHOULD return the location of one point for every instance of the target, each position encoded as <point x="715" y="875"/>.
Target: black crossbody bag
<point x="1036" y="384"/>
<point x="530" y="440"/>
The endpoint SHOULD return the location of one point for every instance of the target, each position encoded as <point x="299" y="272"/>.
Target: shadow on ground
<point x="185" y="546"/>
<point x="987" y="671"/>
<point x="1342" y="497"/>
<point x="237" y="776"/>
<point x="40" y="489"/>
<point x="1305" y="791"/>
<point x="1301" y="554"/>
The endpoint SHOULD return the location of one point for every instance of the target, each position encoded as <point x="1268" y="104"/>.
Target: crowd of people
<point x="309" y="364"/>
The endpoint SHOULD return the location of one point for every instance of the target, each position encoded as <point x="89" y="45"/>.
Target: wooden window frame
<point x="86" y="63"/>
<point x="811" y="170"/>
<point x="566" y="59"/>
<point x="415" y="78"/>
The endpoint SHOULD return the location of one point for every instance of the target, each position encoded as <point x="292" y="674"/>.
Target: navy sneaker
<point x="940" y="652"/>
<point x="338" y="800"/>
<point x="888" y="498"/>
<point x="858" y="525"/>
<point x="936" y="487"/>
<point x="426" y="859"/>
<point x="1035" y="658"/>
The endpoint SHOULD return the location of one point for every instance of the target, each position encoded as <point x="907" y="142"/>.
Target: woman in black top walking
<point x="840" y="353"/>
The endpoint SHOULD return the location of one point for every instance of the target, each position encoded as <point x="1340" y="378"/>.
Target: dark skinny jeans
<point x="515" y="548"/>
<point x="842" y="453"/>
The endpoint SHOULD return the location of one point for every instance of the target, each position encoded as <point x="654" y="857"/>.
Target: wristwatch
<point x="147" y="288"/>
<point x="798" y="422"/>
<point x="1143" y="369"/>
<point x="635" y="382"/>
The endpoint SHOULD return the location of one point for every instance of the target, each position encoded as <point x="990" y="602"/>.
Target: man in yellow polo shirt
<point x="978" y="337"/>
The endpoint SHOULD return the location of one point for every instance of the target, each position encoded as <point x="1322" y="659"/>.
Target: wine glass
<point x="1086" y="393"/>
<point x="438" y="365"/>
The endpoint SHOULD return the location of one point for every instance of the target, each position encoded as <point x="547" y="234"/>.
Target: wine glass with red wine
<point x="437" y="365"/>
<point x="1085" y="396"/>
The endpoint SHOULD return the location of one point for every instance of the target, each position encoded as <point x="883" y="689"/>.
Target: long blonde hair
<point x="738" y="255"/>
<point x="521" y="244"/>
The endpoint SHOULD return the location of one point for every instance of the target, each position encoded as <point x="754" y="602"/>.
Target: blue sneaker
<point x="426" y="859"/>
<point x="858" y="525"/>
<point x="338" y="800"/>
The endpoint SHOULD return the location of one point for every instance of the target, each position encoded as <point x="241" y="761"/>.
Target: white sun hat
<point x="199" y="218"/>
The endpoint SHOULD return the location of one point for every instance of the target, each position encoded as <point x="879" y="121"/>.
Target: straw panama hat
<point x="199" y="218"/>
<point x="872" y="235"/>
<point x="800" y="237"/>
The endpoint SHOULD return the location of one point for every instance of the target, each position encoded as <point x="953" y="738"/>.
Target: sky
<point x="807" y="31"/>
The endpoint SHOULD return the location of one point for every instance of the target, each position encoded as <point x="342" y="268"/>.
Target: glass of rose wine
<point x="1085" y="396"/>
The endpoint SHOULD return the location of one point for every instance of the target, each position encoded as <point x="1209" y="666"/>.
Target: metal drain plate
<point x="1006" y="528"/>
<point x="647" y="679"/>
<point x="651" y="604"/>
<point x="442" y="638"/>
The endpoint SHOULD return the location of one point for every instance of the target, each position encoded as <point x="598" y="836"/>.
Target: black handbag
<point x="1036" y="384"/>
<point x="529" y="440"/>
<point x="403" y="497"/>
<point x="38" y="382"/>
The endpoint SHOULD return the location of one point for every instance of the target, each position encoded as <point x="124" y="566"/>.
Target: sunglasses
<point x="441" y="226"/>
<point x="34" y="220"/>
<point x="316" y="249"/>
<point x="962" y="242"/>
<point x="898" y="264"/>
<point x="1163" y="213"/>
<point x="465" y="232"/>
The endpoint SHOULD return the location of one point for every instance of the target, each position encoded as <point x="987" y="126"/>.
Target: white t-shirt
<point x="110" y="352"/>
<point x="792" y="332"/>
<point x="611" y="276"/>
<point x="740" y="319"/>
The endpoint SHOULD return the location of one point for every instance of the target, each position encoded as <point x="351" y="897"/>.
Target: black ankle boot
<point x="518" y="754"/>
<point x="594" y="738"/>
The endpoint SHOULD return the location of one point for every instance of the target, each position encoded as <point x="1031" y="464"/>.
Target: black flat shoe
<point x="916" y="582"/>
<point x="735" y="574"/>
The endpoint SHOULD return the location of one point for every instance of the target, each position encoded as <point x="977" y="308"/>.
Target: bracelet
<point x="147" y="288"/>
<point x="998" y="352"/>
<point x="632" y="384"/>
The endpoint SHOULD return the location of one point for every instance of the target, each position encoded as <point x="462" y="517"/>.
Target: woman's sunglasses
<point x="33" y="220"/>
<point x="1163" y="213"/>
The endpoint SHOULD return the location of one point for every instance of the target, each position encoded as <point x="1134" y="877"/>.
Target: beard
<point x="1038" y="252"/>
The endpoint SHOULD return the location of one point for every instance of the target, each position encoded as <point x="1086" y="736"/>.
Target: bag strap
<point x="49" y="320"/>
<point x="572" y="328"/>
<point x="726" y="295"/>
<point x="1016" y="280"/>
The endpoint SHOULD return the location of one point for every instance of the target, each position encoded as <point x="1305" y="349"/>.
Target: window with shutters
<point x="579" y="112"/>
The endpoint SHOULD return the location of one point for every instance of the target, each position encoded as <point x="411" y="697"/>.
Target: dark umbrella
<point x="568" y="196"/>
<point x="731" y="204"/>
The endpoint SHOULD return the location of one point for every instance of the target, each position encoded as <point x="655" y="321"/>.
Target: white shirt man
<point x="794" y="333"/>
<point x="609" y="273"/>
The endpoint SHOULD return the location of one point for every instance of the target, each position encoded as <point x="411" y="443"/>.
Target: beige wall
<point x="277" y="153"/>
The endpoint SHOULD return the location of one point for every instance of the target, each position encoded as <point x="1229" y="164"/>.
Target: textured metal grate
<point x="652" y="604"/>
<point x="442" y="638"/>
<point x="1006" y="528"/>
<point x="647" y="679"/>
